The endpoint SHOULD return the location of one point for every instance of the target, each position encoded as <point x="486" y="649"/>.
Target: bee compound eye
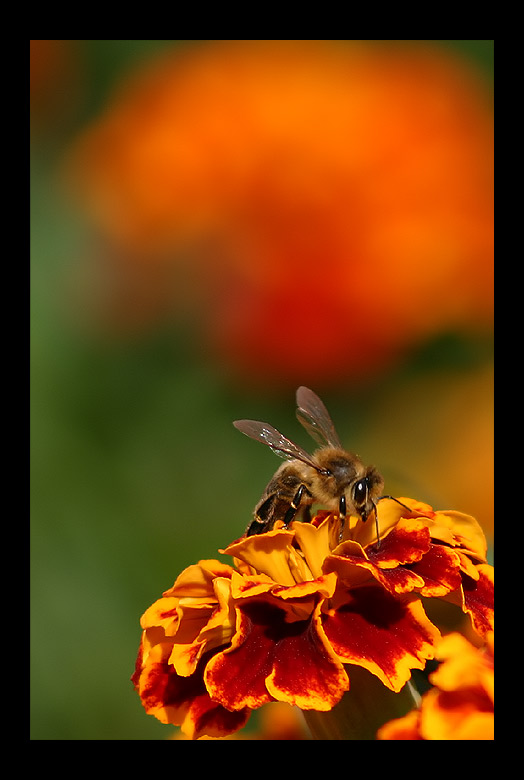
<point x="360" y="491"/>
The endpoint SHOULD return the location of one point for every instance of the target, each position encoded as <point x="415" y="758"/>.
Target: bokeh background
<point x="214" y="223"/>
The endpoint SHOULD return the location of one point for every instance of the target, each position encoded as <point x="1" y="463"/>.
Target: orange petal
<point x="250" y="585"/>
<point x="201" y="631"/>
<point x="197" y="580"/>
<point x="467" y="531"/>
<point x="455" y="716"/>
<point x="268" y="553"/>
<point x="324" y="585"/>
<point x="401" y="728"/>
<point x="464" y="666"/>
<point x="316" y="541"/>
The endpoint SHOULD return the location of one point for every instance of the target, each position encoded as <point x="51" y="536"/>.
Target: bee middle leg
<point x="295" y="505"/>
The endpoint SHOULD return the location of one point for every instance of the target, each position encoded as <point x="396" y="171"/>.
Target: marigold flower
<point x="300" y="609"/>
<point x="312" y="171"/>
<point x="461" y="705"/>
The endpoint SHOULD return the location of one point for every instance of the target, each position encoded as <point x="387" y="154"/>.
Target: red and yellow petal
<point x="163" y="693"/>
<point x="324" y="585"/>
<point x="390" y="514"/>
<point x="164" y="613"/>
<point x="207" y="718"/>
<point x="476" y="598"/>
<point x="387" y="636"/>
<point x="397" y="580"/>
<point x="439" y="569"/>
<point x="460" y="706"/>
<point x="467" y="565"/>
<point x="250" y="585"/>
<point x="298" y="599"/>
<point x="220" y="626"/>
<point x="275" y="656"/>
<point x="182" y="701"/>
<point x="455" y="529"/>
<point x="406" y="560"/>
<point x="479" y="599"/>
<point x="306" y="671"/>
<point x="406" y="543"/>
<point x="467" y="532"/>
<point x="236" y="676"/>
<point x="350" y="563"/>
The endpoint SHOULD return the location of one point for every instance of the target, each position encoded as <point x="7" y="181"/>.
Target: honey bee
<point x="331" y="476"/>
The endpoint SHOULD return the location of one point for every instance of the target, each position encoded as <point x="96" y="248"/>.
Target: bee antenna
<point x="394" y="499"/>
<point x="376" y="514"/>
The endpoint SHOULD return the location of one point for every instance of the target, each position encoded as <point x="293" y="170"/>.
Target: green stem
<point x="362" y="710"/>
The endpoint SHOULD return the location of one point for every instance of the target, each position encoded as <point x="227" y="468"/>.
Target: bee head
<point x="365" y="491"/>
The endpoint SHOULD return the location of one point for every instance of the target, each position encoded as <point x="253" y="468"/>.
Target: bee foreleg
<point x="257" y="527"/>
<point x="377" y="529"/>
<point x="342" y="516"/>
<point x="295" y="504"/>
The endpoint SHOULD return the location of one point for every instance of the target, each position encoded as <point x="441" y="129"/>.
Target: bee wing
<point x="314" y="416"/>
<point x="284" y="448"/>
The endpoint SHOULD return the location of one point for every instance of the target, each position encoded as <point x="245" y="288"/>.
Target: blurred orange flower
<point x="323" y="205"/>
<point x="461" y="705"/>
